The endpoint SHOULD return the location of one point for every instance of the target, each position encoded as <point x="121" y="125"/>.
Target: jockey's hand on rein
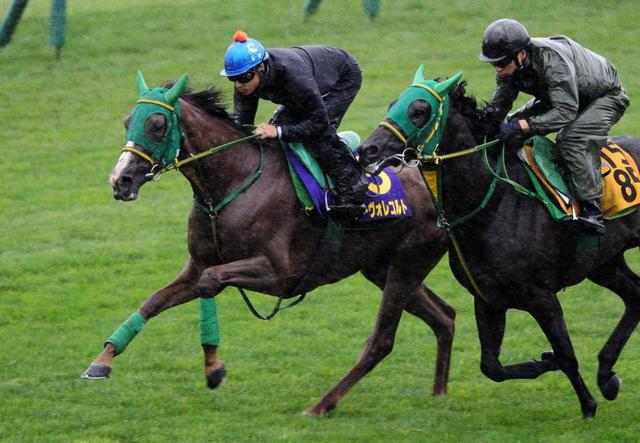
<point x="265" y="130"/>
<point x="509" y="129"/>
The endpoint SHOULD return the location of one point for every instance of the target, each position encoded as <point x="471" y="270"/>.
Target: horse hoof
<point x="610" y="387"/>
<point x="313" y="412"/>
<point x="547" y="355"/>
<point x="96" y="372"/>
<point x="215" y="378"/>
<point x="321" y="408"/>
<point x="589" y="410"/>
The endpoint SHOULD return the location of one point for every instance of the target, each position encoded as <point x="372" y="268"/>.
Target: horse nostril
<point x="122" y="184"/>
<point x="370" y="151"/>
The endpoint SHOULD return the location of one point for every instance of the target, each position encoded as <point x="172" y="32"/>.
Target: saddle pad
<point x="620" y="182"/>
<point x="385" y="197"/>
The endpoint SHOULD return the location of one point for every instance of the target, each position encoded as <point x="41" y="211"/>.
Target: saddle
<point x="385" y="197"/>
<point x="620" y="182"/>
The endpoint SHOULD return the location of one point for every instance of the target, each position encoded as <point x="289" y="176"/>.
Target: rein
<point x="437" y="161"/>
<point x="448" y="226"/>
<point x="177" y="164"/>
<point x="212" y="212"/>
<point x="441" y="221"/>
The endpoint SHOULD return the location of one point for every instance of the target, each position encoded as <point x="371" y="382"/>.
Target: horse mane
<point x="468" y="107"/>
<point x="211" y="101"/>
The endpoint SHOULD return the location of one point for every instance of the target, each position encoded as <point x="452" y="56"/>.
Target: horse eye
<point x="157" y="126"/>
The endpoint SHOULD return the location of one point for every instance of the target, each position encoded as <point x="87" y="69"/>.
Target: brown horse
<point x="263" y="241"/>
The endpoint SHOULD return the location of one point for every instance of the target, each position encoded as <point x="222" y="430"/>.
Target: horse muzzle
<point x="124" y="189"/>
<point x="372" y="161"/>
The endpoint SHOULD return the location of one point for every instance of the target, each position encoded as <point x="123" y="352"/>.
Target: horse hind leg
<point x="616" y="276"/>
<point x="378" y="346"/>
<point x="440" y="317"/>
<point x="420" y="302"/>
<point x="435" y="312"/>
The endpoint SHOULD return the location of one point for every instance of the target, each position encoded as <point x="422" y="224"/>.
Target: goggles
<point x="243" y="78"/>
<point x="502" y="63"/>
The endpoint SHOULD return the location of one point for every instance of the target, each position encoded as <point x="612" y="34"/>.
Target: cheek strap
<point x="394" y="131"/>
<point x="130" y="148"/>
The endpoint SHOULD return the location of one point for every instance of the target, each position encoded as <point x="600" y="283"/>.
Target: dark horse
<point x="263" y="240"/>
<point x="516" y="255"/>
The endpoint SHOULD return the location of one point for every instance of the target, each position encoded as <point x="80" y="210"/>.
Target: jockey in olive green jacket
<point x="577" y="93"/>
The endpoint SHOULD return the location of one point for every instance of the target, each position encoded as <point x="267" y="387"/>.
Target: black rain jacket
<point x="299" y="78"/>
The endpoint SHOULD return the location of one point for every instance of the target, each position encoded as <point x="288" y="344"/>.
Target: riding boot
<point x="591" y="216"/>
<point x="350" y="182"/>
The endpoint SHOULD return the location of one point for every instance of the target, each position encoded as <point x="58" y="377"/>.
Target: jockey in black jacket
<point x="314" y="86"/>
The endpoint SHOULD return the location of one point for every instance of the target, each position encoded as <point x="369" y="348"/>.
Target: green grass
<point x="74" y="263"/>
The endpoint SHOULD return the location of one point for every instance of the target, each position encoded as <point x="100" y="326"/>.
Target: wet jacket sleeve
<point x="312" y="120"/>
<point x="503" y="98"/>
<point x="245" y="108"/>
<point x="560" y="77"/>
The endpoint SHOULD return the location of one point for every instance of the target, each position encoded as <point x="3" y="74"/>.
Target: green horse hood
<point x="433" y="92"/>
<point x="163" y="101"/>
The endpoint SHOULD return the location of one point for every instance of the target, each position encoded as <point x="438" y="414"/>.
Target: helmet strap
<point x="262" y="73"/>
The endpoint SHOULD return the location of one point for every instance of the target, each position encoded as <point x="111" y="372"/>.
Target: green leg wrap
<point x="126" y="332"/>
<point x="209" y="331"/>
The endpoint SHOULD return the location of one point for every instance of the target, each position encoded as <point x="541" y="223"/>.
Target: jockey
<point x="314" y="86"/>
<point x="577" y="93"/>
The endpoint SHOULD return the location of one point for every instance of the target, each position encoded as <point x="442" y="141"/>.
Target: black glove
<point x="489" y="121"/>
<point x="509" y="129"/>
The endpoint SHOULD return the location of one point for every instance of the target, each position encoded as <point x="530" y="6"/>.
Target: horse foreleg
<point x="440" y="317"/>
<point x="491" y="323"/>
<point x="214" y="369"/>
<point x="181" y="290"/>
<point x="617" y="277"/>
<point x="253" y="273"/>
<point x="378" y="346"/>
<point x="547" y="311"/>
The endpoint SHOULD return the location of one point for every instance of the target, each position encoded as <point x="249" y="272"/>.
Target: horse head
<point x="413" y="124"/>
<point x="153" y="138"/>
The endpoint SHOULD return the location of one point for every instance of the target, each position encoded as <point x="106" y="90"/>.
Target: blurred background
<point x="74" y="263"/>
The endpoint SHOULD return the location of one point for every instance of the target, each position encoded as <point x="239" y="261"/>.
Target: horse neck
<point x="466" y="179"/>
<point x="222" y="173"/>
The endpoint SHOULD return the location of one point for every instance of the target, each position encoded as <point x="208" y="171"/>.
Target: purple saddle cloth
<point x="385" y="197"/>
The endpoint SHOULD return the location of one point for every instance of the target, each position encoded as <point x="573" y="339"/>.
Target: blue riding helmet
<point x="242" y="55"/>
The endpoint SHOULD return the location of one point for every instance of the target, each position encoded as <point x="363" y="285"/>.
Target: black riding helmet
<point x="503" y="38"/>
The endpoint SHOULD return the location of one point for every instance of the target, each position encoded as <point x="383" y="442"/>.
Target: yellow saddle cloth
<point x="620" y="183"/>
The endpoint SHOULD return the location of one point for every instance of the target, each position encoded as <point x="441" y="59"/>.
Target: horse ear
<point x="419" y="77"/>
<point x="444" y="86"/>
<point x="177" y="89"/>
<point x="141" y="84"/>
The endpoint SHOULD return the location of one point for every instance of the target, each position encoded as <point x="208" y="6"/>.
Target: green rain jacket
<point x="564" y="78"/>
